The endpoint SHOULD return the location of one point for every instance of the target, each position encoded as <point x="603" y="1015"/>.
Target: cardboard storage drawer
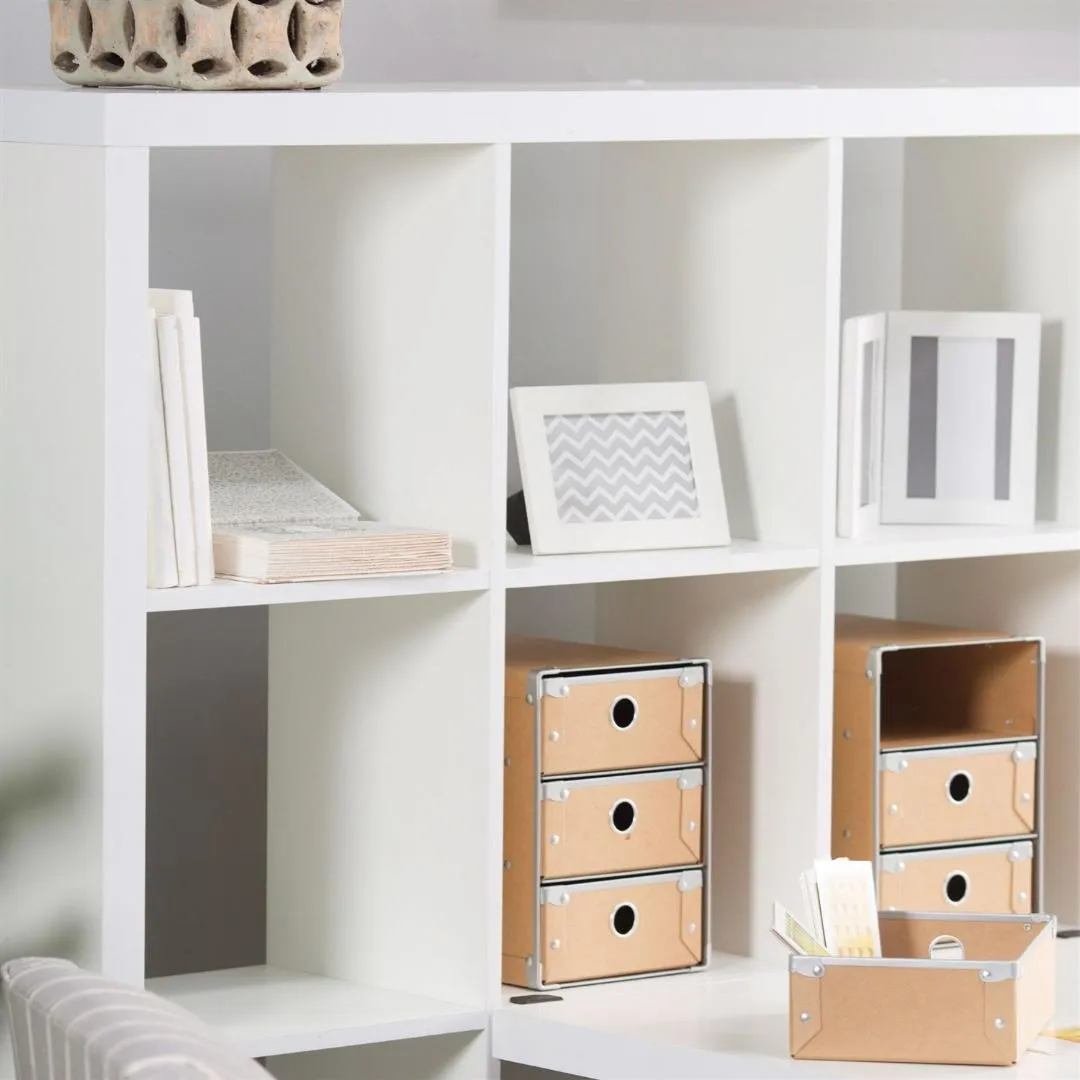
<point x="627" y="926"/>
<point x="993" y="878"/>
<point x="616" y="824"/>
<point x="985" y="1009"/>
<point x="596" y="709"/>
<point x="960" y="793"/>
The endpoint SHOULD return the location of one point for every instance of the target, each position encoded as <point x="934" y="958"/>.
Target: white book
<point x="179" y="302"/>
<point x="172" y="388"/>
<point x="191" y="369"/>
<point x="162" y="572"/>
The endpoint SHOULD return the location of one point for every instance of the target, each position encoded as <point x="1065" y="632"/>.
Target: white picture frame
<point x="592" y="476"/>
<point x="862" y="382"/>
<point x="960" y="424"/>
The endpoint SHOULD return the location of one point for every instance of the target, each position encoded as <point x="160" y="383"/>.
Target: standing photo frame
<point x="862" y="380"/>
<point x="619" y="467"/>
<point x="960" y="435"/>
<point x="938" y="420"/>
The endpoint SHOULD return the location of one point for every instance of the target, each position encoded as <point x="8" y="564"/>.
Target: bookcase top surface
<point x="484" y="114"/>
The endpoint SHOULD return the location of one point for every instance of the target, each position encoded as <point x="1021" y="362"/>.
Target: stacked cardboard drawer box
<point x="606" y="809"/>
<point x="937" y="751"/>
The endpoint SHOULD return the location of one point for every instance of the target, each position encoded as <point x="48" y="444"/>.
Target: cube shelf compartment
<point x="424" y="250"/>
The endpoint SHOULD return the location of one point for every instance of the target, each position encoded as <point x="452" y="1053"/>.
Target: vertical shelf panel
<point x="74" y="341"/>
<point x="389" y="380"/>
<point x="715" y="258"/>
<point x="380" y="780"/>
<point x="388" y="274"/>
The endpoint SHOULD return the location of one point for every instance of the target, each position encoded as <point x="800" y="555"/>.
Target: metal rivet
<point x="900" y="867"/>
<point x="847" y="733"/>
<point x="554" y="736"/>
<point x="556" y="944"/>
<point x="530" y="699"/>
<point x="683" y="886"/>
<point x="1014" y="856"/>
<point x="506" y="762"/>
<point x="903" y="764"/>
<point x="892" y="907"/>
<point x="692" y="826"/>
<point x="818" y="970"/>
<point x="804" y="1017"/>
<point x="554" y="840"/>
<point x="692" y="724"/>
<point x="869" y="673"/>
<point x="692" y="928"/>
<point x="565" y="898"/>
<point x="846" y="834"/>
<point x="984" y="974"/>
<point x="999" y="1023"/>
<point x="894" y="809"/>
<point x="507" y="865"/>
<point x="1023" y="896"/>
<point x="684" y="784"/>
<point x="1027" y="926"/>
<point x="565" y="793"/>
<point x="528" y="961"/>
<point x="1026" y="797"/>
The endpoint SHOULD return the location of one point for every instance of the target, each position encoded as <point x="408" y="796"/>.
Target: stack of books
<point x="273" y="523"/>
<point x="248" y="516"/>
<point x="180" y="548"/>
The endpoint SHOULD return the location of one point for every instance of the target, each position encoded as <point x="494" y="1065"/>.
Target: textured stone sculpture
<point x="197" y="44"/>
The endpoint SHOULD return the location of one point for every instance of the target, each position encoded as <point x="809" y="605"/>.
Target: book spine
<point x="195" y="412"/>
<point x="172" y="387"/>
<point x="162" y="572"/>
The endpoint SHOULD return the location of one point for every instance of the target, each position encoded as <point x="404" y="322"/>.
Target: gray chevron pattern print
<point x="611" y="467"/>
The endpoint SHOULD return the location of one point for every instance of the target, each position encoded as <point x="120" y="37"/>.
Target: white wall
<point x="787" y="40"/>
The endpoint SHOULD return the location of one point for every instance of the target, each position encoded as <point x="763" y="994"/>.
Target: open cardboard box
<point x="986" y="1009"/>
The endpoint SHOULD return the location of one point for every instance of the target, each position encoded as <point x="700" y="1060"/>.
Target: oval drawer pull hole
<point x="956" y="887"/>
<point x="624" y="920"/>
<point x="959" y="787"/>
<point x="623" y="816"/>
<point x="624" y="711"/>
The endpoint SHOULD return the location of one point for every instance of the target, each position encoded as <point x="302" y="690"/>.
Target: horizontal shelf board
<point x="924" y="543"/>
<point x="380" y="115"/>
<point x="268" y="1011"/>
<point x="728" y="1022"/>
<point x="525" y="570"/>
<point x="226" y="594"/>
<point x="940" y="740"/>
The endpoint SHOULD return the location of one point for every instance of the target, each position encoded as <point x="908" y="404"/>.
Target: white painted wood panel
<point x="523" y="113"/>
<point x="75" y="367"/>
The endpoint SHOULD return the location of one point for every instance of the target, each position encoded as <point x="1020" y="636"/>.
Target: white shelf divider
<point x="270" y="1011"/>
<point x="929" y="543"/>
<point x="525" y="570"/>
<point x="229" y="594"/>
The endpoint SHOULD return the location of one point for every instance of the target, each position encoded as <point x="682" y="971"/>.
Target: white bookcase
<point x="658" y="233"/>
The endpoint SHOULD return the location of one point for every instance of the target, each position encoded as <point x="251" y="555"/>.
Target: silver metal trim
<point x="540" y="680"/>
<point x="817" y="967"/>
<point x="561" y="895"/>
<point x="561" y="790"/>
<point x="964" y="916"/>
<point x="894" y="760"/>
<point x="899" y="849"/>
<point x="892" y="863"/>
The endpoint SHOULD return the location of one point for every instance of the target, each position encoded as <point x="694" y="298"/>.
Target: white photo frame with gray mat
<point x="961" y="418"/>
<point x="619" y="467"/>
<point x="862" y="381"/>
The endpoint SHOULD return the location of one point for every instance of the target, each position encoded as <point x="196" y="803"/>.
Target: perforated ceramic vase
<point x="198" y="44"/>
